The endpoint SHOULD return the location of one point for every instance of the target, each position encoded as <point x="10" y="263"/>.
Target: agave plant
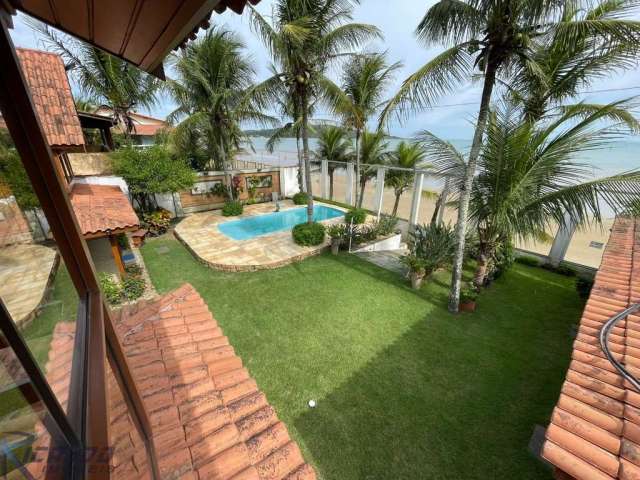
<point x="433" y="246"/>
<point x="529" y="178"/>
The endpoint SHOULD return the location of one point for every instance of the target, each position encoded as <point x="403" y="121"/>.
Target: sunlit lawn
<point x="404" y="389"/>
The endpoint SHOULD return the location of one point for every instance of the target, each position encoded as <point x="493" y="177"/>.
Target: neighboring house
<point x="145" y="127"/>
<point x="103" y="211"/>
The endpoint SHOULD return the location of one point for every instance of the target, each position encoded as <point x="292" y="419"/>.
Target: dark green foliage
<point x="502" y="260"/>
<point x="434" y="244"/>
<point x="358" y="215"/>
<point x="300" y="198"/>
<point x="133" y="269"/>
<point x="232" y="208"/>
<point x="565" y="270"/>
<point x="308" y="234"/>
<point x="157" y="222"/>
<point x="133" y="287"/>
<point x="528" y="260"/>
<point x="386" y="225"/>
<point x="469" y="293"/>
<point x="152" y="170"/>
<point x="337" y="230"/>
<point x="583" y="286"/>
<point x="13" y="173"/>
<point x="123" y="241"/>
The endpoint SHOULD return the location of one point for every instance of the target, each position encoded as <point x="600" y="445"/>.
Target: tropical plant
<point x="300" y="198"/>
<point x="305" y="36"/>
<point x="434" y="245"/>
<point x="365" y="80"/>
<point x="406" y="156"/>
<point x="308" y="234"/>
<point x="529" y="179"/>
<point x="355" y="215"/>
<point x="373" y="151"/>
<point x="214" y="93"/>
<point x="333" y="146"/>
<point x="149" y="171"/>
<point x="497" y="38"/>
<point x="232" y="208"/>
<point x="103" y="78"/>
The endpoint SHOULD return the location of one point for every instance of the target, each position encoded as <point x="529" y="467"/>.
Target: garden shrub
<point x="133" y="287"/>
<point x="157" y="222"/>
<point x="308" y="234"/>
<point x="358" y="215"/>
<point x="583" y="286"/>
<point x="434" y="244"/>
<point x="300" y="198"/>
<point x="565" y="270"/>
<point x="469" y="293"/>
<point x="232" y="208"/>
<point x="528" y="260"/>
<point x="133" y="269"/>
<point x="123" y="241"/>
<point x="110" y="288"/>
<point x="337" y="230"/>
<point x="386" y="225"/>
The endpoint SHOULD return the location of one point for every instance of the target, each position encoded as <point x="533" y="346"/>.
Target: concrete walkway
<point x="388" y="259"/>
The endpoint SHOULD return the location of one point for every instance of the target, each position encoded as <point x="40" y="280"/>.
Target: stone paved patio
<point x="199" y="232"/>
<point x="24" y="275"/>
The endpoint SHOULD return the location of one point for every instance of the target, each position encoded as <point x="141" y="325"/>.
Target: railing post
<point x="415" y="200"/>
<point x="349" y="191"/>
<point x="561" y="242"/>
<point x="379" y="190"/>
<point x="324" y="178"/>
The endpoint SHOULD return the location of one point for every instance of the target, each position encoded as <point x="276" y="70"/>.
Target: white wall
<point x="103" y="180"/>
<point x="288" y="181"/>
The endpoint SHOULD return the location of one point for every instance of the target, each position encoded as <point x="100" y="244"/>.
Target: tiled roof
<point x="208" y="417"/>
<point x="51" y="93"/>
<point x="594" y="432"/>
<point x="99" y="208"/>
<point x="147" y="130"/>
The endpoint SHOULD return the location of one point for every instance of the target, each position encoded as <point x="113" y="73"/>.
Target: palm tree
<point x="365" y="80"/>
<point x="529" y="179"/>
<point x="373" y="151"/>
<point x="305" y="36"/>
<point x="496" y="37"/>
<point x="333" y="146"/>
<point x="103" y="78"/>
<point x="214" y="90"/>
<point x="405" y="156"/>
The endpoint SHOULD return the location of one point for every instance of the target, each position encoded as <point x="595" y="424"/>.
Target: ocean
<point x="619" y="156"/>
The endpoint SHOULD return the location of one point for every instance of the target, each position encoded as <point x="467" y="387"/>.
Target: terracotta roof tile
<point x="99" y="208"/>
<point x="595" y="428"/>
<point x="51" y="93"/>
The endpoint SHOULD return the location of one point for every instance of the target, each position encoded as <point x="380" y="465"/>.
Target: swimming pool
<point x="251" y="227"/>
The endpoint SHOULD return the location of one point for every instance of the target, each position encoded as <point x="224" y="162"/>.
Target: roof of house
<point x="594" y="432"/>
<point x="51" y="93"/>
<point x="143" y="125"/>
<point x="102" y="208"/>
<point x="209" y="418"/>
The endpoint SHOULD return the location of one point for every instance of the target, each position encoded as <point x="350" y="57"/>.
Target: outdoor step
<point x="281" y="463"/>
<point x="247" y="405"/>
<point x="255" y="423"/>
<point x="263" y="444"/>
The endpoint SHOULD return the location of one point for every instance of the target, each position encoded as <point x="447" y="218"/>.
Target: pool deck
<point x="200" y="234"/>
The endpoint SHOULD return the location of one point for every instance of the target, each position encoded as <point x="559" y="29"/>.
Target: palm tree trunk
<point x="331" y="172"/>
<point x="305" y="155"/>
<point x="396" y="203"/>
<point x="481" y="270"/>
<point x="436" y="218"/>
<point x="465" y="193"/>
<point x="227" y="179"/>
<point x="300" y="166"/>
<point x="357" y="163"/>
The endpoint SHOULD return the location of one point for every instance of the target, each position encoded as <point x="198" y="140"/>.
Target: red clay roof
<point x="209" y="419"/>
<point x="147" y="130"/>
<point x="51" y="93"/>
<point x="594" y="432"/>
<point x="99" y="208"/>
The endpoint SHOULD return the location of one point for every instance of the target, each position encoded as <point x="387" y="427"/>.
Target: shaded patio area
<point x="200" y="234"/>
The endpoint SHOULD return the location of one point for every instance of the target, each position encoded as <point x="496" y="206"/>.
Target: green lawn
<point x="404" y="389"/>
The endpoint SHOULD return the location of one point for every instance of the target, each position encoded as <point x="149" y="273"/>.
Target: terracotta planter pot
<point x="467" y="306"/>
<point x="335" y="246"/>
<point x="416" y="280"/>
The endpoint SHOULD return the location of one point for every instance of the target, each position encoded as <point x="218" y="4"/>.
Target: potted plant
<point x="416" y="270"/>
<point x="337" y="233"/>
<point x="468" y="297"/>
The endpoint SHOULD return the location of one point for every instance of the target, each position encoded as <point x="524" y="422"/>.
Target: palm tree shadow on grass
<point x="453" y="397"/>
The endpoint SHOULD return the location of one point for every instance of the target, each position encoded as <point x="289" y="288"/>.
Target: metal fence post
<point x="349" y="191"/>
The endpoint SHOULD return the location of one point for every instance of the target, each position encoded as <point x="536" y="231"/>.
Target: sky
<point x="397" y="20"/>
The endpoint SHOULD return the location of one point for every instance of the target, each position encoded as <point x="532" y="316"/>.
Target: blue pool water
<point x="251" y="227"/>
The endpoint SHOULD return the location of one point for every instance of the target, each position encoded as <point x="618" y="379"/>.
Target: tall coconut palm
<point x="529" y="177"/>
<point x="496" y="37"/>
<point x="333" y="146"/>
<point x="304" y="37"/>
<point x="374" y="150"/>
<point x="365" y="80"/>
<point x="103" y="78"/>
<point x="406" y="156"/>
<point x="213" y="89"/>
